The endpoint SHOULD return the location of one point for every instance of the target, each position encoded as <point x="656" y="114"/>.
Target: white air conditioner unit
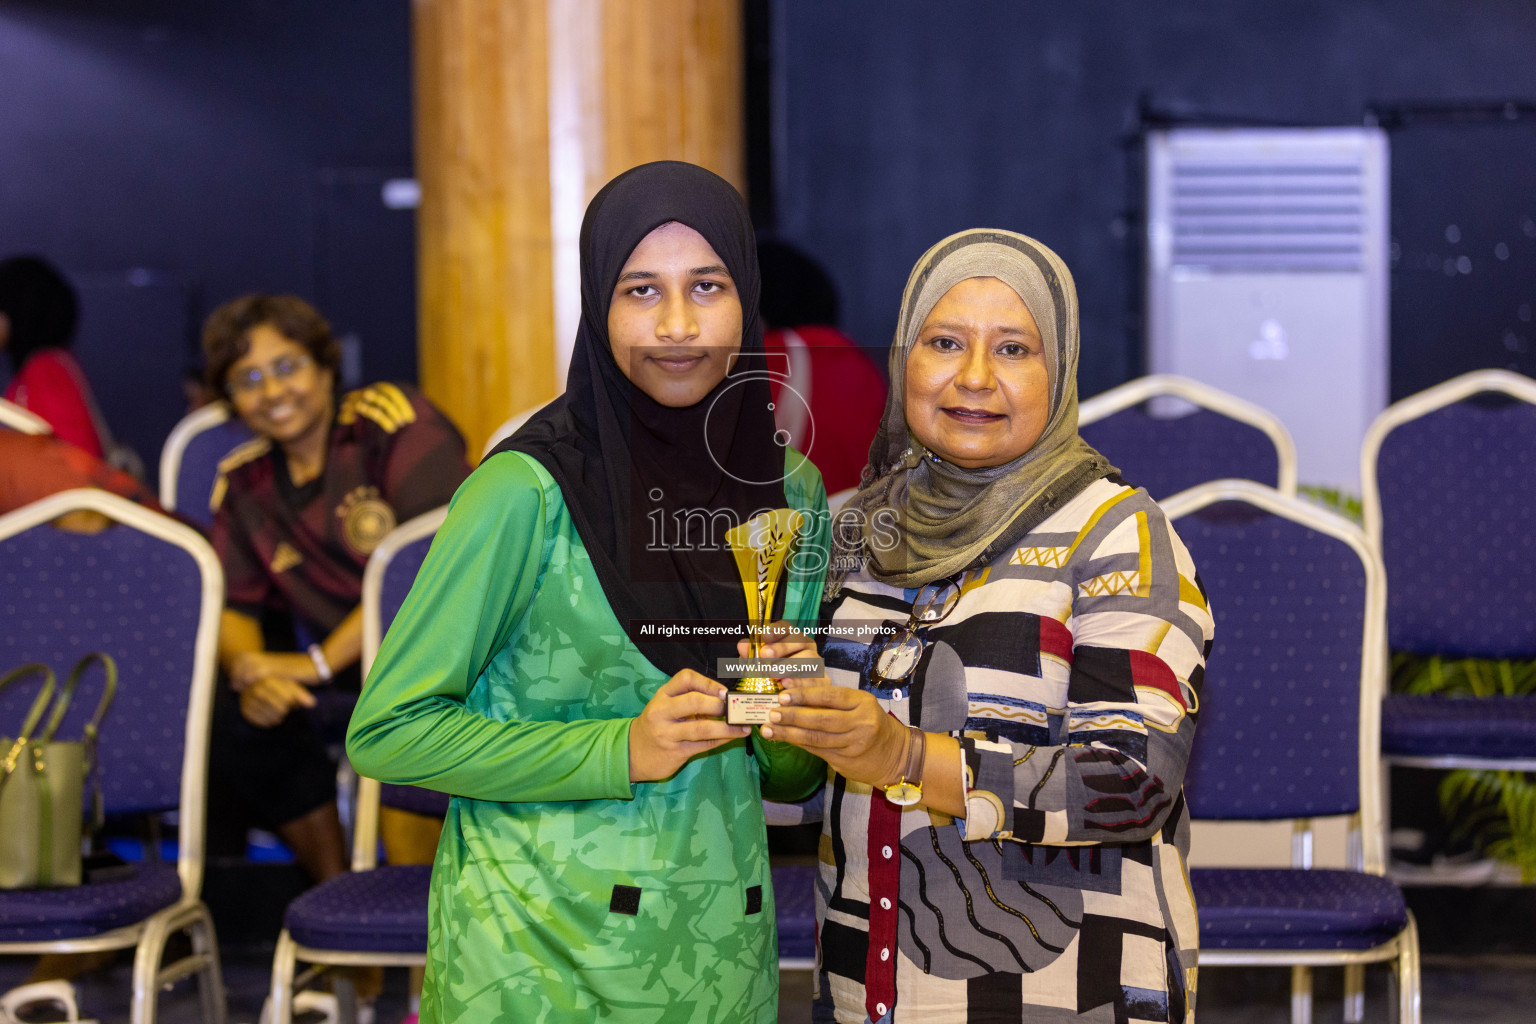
<point x="1267" y="277"/>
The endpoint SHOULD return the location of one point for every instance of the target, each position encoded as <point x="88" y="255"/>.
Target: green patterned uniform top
<point x="561" y="891"/>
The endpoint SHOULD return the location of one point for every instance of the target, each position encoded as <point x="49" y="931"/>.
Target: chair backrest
<point x="189" y="462"/>
<point x="14" y="417"/>
<point x="1290" y="712"/>
<point x="1449" y="498"/>
<point x="148" y="591"/>
<point x="509" y="428"/>
<point x="1147" y="428"/>
<point x="391" y="570"/>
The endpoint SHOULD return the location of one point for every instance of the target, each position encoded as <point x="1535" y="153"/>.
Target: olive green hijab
<point x="923" y="519"/>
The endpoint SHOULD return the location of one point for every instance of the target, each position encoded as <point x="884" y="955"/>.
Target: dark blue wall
<point x="901" y="121"/>
<point x="233" y="145"/>
<point x="188" y="137"/>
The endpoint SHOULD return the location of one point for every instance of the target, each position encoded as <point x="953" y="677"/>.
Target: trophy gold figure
<point x="761" y="546"/>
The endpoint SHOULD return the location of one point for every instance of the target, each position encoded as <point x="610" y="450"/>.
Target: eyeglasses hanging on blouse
<point x="900" y="653"/>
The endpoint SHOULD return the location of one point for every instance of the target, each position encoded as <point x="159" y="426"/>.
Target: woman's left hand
<point x="846" y="728"/>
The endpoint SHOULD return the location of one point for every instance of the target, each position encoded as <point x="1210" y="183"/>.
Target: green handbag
<point x="42" y="783"/>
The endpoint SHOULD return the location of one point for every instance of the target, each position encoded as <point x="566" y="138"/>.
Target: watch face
<point x="899" y="658"/>
<point x="903" y="794"/>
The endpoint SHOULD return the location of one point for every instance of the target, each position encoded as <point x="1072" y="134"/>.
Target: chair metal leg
<point x="210" y="983"/>
<point x="281" y="997"/>
<point x="1409" y="1009"/>
<point x="1301" y="994"/>
<point x="346" y="996"/>
<point x="146" y="969"/>
<point x="1354" y="993"/>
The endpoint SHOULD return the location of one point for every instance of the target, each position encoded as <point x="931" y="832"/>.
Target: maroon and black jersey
<point x="302" y="548"/>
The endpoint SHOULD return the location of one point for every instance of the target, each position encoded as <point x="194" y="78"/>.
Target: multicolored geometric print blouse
<point x="1070" y="670"/>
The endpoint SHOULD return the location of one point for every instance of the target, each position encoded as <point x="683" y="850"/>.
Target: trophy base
<point x="749" y="708"/>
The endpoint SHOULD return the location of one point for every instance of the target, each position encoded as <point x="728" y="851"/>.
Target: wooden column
<point x="524" y="108"/>
<point x="672" y="85"/>
<point x="482" y="157"/>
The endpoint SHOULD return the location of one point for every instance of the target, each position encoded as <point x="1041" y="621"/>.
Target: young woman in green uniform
<point x="605" y="855"/>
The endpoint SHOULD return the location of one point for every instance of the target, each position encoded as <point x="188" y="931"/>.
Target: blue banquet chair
<point x="1449" y="500"/>
<point x="1288" y="730"/>
<point x="147" y="591"/>
<point x="794" y="901"/>
<point x="376" y="915"/>
<point x="1168" y="433"/>
<point x="14" y="417"/>
<point x="189" y="461"/>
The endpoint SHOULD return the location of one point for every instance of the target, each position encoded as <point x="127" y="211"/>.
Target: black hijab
<point x="624" y="462"/>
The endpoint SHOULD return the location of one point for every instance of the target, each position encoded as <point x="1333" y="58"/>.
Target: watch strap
<point x="908" y="789"/>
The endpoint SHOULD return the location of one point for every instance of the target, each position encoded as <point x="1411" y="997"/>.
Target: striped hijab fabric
<point x="950" y="518"/>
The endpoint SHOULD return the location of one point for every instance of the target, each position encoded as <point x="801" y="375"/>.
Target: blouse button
<point x="885" y="851"/>
<point x="885" y="904"/>
<point x="885" y="954"/>
<point x="880" y="1009"/>
<point x="895" y="695"/>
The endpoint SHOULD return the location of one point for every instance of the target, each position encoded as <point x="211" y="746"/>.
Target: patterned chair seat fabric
<point x="1167" y="455"/>
<point x="1279" y="908"/>
<point x="399" y="574"/>
<point x="45" y="915"/>
<point x="1457" y="492"/>
<point x="198" y="468"/>
<point x="378" y="911"/>
<point x="794" y="897"/>
<point x="1280" y="705"/>
<point x="1488" y="727"/>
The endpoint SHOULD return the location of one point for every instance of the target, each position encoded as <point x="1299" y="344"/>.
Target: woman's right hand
<point x="683" y="720"/>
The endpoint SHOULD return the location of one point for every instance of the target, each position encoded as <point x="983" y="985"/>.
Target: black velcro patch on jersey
<point x="754" y="900"/>
<point x="626" y="900"/>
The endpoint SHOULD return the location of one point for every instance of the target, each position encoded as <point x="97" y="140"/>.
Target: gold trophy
<point x="761" y="546"/>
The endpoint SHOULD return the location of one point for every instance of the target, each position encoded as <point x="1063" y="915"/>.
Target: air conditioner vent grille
<point x="1265" y="217"/>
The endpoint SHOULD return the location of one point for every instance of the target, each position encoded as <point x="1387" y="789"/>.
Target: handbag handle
<point x="60" y="706"/>
<point x="34" y="714"/>
<point x="92" y="728"/>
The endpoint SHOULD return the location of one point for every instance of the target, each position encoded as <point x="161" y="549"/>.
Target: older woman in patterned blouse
<point x="1017" y="639"/>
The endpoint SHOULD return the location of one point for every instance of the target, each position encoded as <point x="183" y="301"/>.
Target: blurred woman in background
<point x="827" y="393"/>
<point x="298" y="510"/>
<point x="38" y="314"/>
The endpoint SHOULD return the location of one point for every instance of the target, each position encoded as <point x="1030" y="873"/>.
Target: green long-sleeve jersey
<point x="561" y="891"/>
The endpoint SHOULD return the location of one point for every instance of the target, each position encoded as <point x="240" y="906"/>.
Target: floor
<point x="1485" y="989"/>
<point x="1479" y="956"/>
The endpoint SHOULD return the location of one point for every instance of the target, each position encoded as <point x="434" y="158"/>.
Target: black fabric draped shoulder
<point x="633" y="472"/>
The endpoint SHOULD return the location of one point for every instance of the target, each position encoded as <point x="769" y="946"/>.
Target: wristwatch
<point x="908" y="789"/>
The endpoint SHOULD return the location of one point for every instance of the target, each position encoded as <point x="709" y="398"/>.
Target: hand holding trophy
<point x="762" y="546"/>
